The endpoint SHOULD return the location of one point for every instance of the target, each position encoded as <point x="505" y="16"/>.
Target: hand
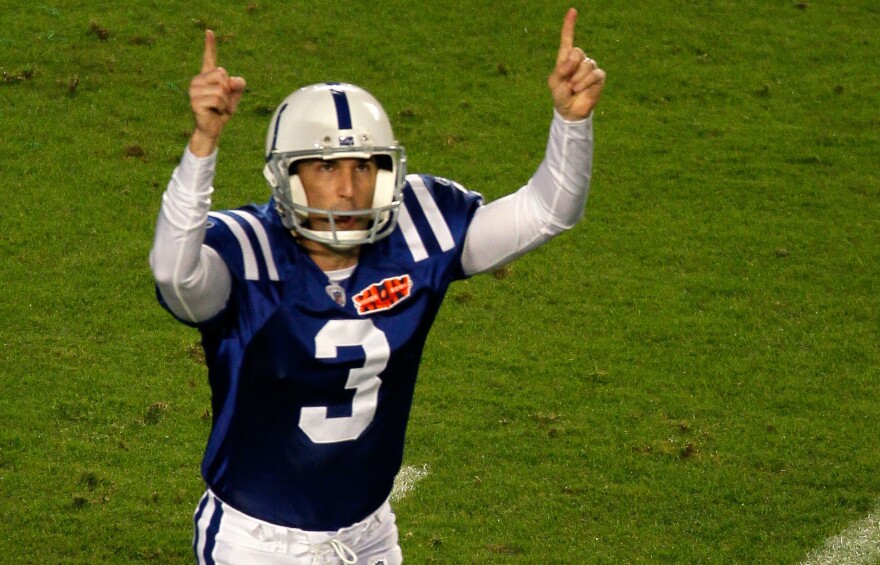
<point x="576" y="82"/>
<point x="213" y="97"/>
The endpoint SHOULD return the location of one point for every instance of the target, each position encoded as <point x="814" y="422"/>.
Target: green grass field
<point x="689" y="376"/>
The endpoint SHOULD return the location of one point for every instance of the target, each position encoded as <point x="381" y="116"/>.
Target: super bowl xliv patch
<point x="383" y="295"/>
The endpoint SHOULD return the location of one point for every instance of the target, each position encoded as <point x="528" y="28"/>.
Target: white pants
<point x="225" y="536"/>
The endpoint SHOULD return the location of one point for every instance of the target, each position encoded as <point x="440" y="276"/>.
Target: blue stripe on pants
<point x="196" y="518"/>
<point x="210" y="533"/>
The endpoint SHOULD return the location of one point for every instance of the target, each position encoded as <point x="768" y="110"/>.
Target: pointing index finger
<point x="209" y="58"/>
<point x="566" y="40"/>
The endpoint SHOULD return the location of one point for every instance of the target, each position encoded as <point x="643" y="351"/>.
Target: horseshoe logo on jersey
<point x="383" y="295"/>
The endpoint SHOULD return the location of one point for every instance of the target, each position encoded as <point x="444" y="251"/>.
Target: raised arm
<point x="554" y="198"/>
<point x="192" y="278"/>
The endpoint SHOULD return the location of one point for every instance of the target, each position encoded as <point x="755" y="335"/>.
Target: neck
<point x="327" y="258"/>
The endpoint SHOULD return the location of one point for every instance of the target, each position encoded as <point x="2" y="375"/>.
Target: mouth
<point x="347" y="222"/>
<point x="339" y="222"/>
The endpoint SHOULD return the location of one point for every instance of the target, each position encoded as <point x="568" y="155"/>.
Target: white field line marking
<point x="858" y="544"/>
<point x="406" y="480"/>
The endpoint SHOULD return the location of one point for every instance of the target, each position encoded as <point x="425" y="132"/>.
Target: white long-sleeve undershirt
<point x="552" y="202"/>
<point x="195" y="282"/>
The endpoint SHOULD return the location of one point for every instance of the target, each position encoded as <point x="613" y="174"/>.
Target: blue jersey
<point x="312" y="381"/>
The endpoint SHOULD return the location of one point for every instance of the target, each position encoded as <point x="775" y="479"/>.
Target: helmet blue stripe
<point x="343" y="112"/>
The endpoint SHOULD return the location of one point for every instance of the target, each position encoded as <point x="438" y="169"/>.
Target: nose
<point x="346" y="184"/>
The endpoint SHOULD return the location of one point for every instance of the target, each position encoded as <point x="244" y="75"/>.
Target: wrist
<point x="572" y="119"/>
<point x="202" y="144"/>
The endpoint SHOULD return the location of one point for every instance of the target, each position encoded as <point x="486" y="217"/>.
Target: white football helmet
<point x="333" y="121"/>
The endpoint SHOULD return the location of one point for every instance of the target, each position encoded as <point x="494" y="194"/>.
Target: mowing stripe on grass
<point x="859" y="544"/>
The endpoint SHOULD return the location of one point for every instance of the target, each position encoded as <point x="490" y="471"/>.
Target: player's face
<point x="340" y="185"/>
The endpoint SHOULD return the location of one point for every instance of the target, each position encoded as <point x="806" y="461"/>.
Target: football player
<point x="314" y="307"/>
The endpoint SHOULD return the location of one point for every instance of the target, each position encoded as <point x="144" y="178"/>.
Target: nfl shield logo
<point x="336" y="293"/>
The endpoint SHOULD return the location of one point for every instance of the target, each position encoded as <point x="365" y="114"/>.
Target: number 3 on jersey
<point x="364" y="381"/>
